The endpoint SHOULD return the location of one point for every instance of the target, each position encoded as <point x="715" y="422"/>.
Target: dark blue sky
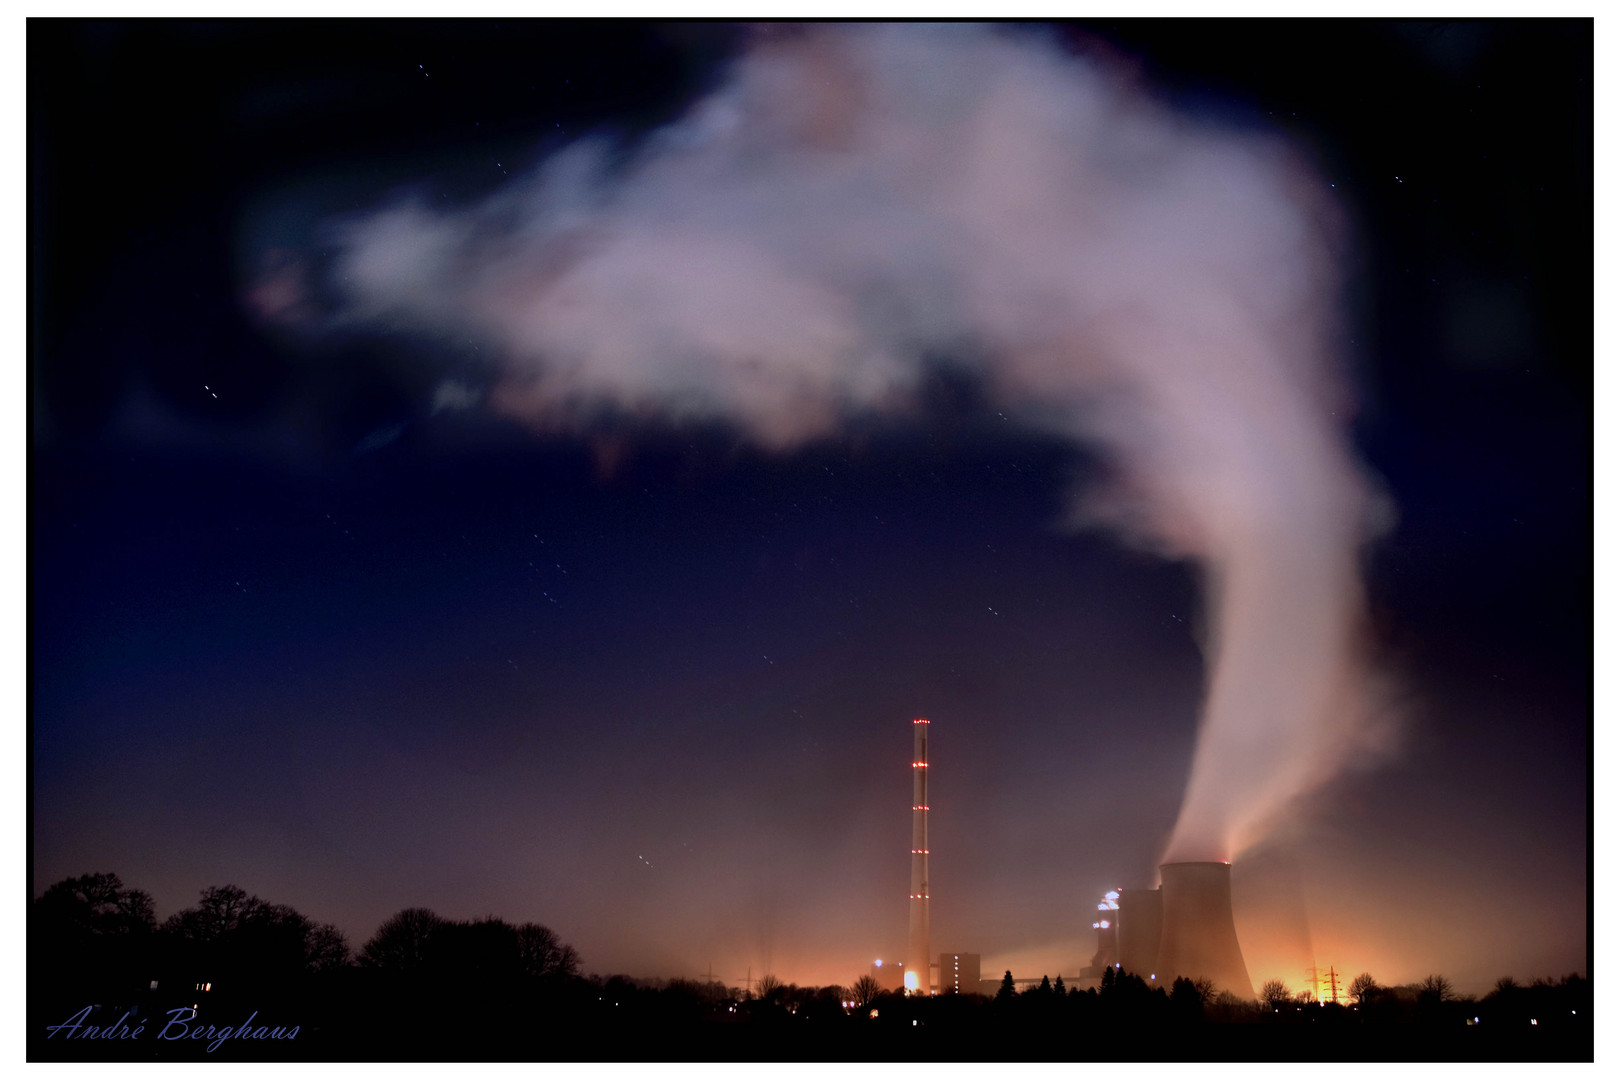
<point x="293" y="630"/>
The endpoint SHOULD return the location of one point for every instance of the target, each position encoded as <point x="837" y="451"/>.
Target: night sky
<point x="304" y="621"/>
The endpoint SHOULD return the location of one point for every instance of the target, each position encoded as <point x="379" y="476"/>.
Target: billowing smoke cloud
<point x="855" y="200"/>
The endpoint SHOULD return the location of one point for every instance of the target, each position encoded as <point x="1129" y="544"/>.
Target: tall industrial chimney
<point x="917" y="980"/>
<point x="1199" y="938"/>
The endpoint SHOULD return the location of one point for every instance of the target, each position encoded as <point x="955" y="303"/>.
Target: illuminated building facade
<point x="1106" y="923"/>
<point x="958" y="973"/>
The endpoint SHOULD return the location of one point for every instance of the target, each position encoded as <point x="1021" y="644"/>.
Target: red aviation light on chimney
<point x="919" y="720"/>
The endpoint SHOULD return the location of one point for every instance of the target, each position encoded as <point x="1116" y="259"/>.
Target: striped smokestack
<point x="917" y="980"/>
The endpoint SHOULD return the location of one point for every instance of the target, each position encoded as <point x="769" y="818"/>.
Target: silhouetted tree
<point x="1186" y="1001"/>
<point x="794" y="997"/>
<point x="1227" y="1007"/>
<point x="543" y="954"/>
<point x="219" y="910"/>
<point x="92" y="934"/>
<point x="1274" y="993"/>
<point x="482" y="953"/>
<point x="235" y="937"/>
<point x="1361" y="987"/>
<point x="768" y="988"/>
<point x="95" y="904"/>
<point x="1129" y="995"/>
<point x="1205" y="989"/>
<point x="1505" y="1002"/>
<point x="1007" y="991"/>
<point x="865" y="990"/>
<point x="1435" y="988"/>
<point x="327" y="948"/>
<point x="1057" y="987"/>
<point x="401" y="942"/>
<point x="824" y="1004"/>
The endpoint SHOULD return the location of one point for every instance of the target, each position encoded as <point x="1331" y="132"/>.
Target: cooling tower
<point x="1136" y="940"/>
<point x="1198" y="938"/>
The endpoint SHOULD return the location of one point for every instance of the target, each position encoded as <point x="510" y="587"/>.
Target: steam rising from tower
<point x="856" y="201"/>
<point x="917" y="979"/>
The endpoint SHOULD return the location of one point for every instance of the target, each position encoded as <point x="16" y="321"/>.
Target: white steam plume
<point x="857" y="198"/>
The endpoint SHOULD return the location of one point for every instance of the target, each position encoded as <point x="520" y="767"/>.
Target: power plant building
<point x="1140" y="921"/>
<point x="890" y="976"/>
<point x="958" y="973"/>
<point x="1107" y="926"/>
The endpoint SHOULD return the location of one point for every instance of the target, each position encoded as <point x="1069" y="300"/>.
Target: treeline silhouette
<point x="422" y="986"/>
<point x="428" y="988"/>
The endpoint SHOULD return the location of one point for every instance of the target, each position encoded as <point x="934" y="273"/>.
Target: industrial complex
<point x="1182" y="928"/>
